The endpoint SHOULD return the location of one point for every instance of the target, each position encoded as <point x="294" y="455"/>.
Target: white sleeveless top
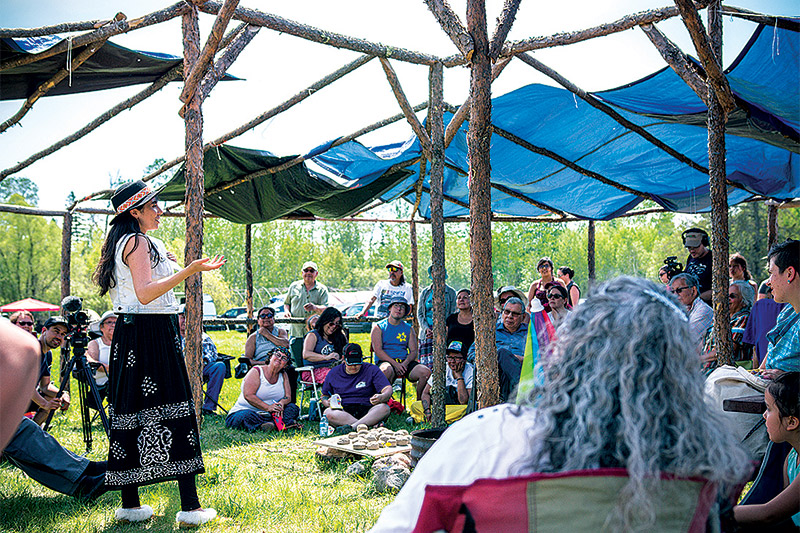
<point x="104" y="357"/>
<point x="267" y="392"/>
<point x="123" y="297"/>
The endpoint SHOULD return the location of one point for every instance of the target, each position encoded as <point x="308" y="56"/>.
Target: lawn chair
<point x="577" y="501"/>
<point x="225" y="358"/>
<point x="296" y="347"/>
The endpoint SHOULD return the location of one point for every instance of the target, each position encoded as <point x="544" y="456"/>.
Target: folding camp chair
<point x="578" y="501"/>
<point x="225" y="358"/>
<point x="296" y="347"/>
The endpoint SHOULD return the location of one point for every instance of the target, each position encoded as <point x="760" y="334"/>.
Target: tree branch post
<point x="193" y="121"/>
<point x="248" y="275"/>
<point x="705" y="51"/>
<point x="436" y="124"/>
<point x="44" y="88"/>
<point x="718" y="192"/>
<point x="504" y="23"/>
<point x="590" y="254"/>
<point x="452" y="26"/>
<point x="480" y="202"/>
<point x="678" y="61"/>
<point x="209" y="50"/>
<point x="772" y="223"/>
<point x="411" y="117"/>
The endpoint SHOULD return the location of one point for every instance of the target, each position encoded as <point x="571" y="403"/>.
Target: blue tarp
<point x="762" y="143"/>
<point x="111" y="66"/>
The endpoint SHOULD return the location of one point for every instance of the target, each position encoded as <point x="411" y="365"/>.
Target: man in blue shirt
<point x="395" y="346"/>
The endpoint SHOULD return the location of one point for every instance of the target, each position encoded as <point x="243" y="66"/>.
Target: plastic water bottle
<point x="323" y="427"/>
<point x="313" y="414"/>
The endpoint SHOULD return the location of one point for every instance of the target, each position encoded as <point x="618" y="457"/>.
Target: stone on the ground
<point x="386" y="478"/>
<point x="357" y="469"/>
<point x="324" y="453"/>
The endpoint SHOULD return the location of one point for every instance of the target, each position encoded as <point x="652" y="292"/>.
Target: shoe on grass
<point x="343" y="430"/>
<point x="195" y="518"/>
<point x="135" y="514"/>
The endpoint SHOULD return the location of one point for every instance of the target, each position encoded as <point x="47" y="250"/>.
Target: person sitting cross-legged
<point x="459" y="379"/>
<point x="363" y="389"/>
<point x="395" y="346"/>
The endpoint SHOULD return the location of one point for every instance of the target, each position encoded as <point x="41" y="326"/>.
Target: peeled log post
<point x="772" y="223"/>
<point x="44" y="88"/>
<point x="157" y="85"/>
<point x="480" y="201"/>
<point x="194" y="215"/>
<point x="590" y="254"/>
<point x="436" y="125"/>
<point x="248" y="275"/>
<point x="719" y="201"/>
<point x="209" y="49"/>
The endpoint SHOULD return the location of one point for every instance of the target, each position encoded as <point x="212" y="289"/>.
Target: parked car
<point x="354" y="310"/>
<point x="233" y="312"/>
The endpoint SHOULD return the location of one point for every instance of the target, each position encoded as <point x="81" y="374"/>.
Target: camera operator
<point x="698" y="262"/>
<point x="670" y="269"/>
<point x="44" y="396"/>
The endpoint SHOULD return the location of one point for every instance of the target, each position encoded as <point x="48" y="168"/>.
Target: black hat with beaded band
<point x="131" y="195"/>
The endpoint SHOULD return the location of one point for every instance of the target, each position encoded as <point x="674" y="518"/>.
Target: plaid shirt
<point x="209" y="349"/>
<point x="783" y="351"/>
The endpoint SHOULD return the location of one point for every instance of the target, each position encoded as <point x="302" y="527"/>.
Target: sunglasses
<point x="394" y="269"/>
<point x="554" y="296"/>
<point x="453" y="358"/>
<point x="679" y="290"/>
<point x="309" y="270"/>
<point x="336" y="324"/>
<point x="265" y="315"/>
<point x="512" y="313"/>
<point x="732" y="296"/>
<point x="24" y="323"/>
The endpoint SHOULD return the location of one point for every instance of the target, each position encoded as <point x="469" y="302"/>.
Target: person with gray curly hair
<point x="620" y="389"/>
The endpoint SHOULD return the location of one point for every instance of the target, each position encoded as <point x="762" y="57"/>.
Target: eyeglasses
<point x="512" y="313"/>
<point x="335" y="324"/>
<point x="454" y="357"/>
<point x="679" y="290"/>
<point x="282" y="357"/>
<point x="24" y="323"/>
<point x="265" y="315"/>
<point x="309" y="270"/>
<point x="554" y="296"/>
<point x="394" y="269"/>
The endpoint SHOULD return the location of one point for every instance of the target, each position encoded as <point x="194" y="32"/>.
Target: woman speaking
<point x="154" y="434"/>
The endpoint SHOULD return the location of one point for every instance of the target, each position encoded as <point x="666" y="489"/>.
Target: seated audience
<point x="565" y="274"/>
<point x="322" y="347"/>
<point x="363" y="389"/>
<point x="459" y="379"/>
<point x="264" y="402"/>
<point x="783" y="348"/>
<point x="557" y="296"/>
<point x="619" y="388"/>
<point x="24" y="320"/>
<point x="510" y="338"/>
<point x="740" y="297"/>
<point x="537" y="290"/>
<point x="763" y="317"/>
<point x="395" y="346"/>
<point x="98" y="351"/>
<point x="701" y="317"/>
<point x="44" y="397"/>
<point x="425" y="318"/>
<point x="783" y="425"/>
<point x="266" y="338"/>
<point x="213" y="370"/>
<point x="737" y="268"/>
<point x="459" y="325"/>
<point x="506" y="293"/>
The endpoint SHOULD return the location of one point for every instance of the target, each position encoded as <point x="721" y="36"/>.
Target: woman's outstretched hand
<point x="208" y="263"/>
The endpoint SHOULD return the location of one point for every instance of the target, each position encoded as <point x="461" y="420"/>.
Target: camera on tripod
<point x="672" y="267"/>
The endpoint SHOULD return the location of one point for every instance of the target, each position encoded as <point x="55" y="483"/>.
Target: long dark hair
<point x="123" y="224"/>
<point x="786" y="391"/>
<point x="337" y="339"/>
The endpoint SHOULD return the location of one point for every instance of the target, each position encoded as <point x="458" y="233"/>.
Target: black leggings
<point x="186" y="488"/>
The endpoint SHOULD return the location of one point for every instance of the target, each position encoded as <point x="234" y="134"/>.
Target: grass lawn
<point x="256" y="482"/>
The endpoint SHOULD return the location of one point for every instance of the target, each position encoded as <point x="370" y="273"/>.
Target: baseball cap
<point x="396" y="264"/>
<point x="353" y="354"/>
<point x="692" y="238"/>
<point x="56" y="321"/>
<point x="309" y="264"/>
<point x="455" y="346"/>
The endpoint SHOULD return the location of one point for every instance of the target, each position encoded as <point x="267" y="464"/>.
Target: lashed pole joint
<point x="209" y="49"/>
<point x="44" y="88"/>
<point x="678" y="61"/>
<point x="716" y="78"/>
<point x="411" y="117"/>
<point x="452" y="26"/>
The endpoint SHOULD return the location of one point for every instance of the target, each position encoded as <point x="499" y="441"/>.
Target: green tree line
<point x="353" y="255"/>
